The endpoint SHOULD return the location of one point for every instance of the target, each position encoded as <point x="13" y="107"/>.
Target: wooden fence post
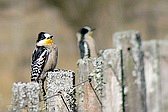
<point x="135" y="87"/>
<point x="112" y="94"/>
<point x="88" y="100"/>
<point x="163" y="63"/>
<point x="60" y="96"/>
<point x="156" y="62"/>
<point x="152" y="75"/>
<point x="60" y="91"/>
<point x="107" y="75"/>
<point x="25" y="96"/>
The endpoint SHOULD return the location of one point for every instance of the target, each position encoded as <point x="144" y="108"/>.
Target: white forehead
<point x="47" y="35"/>
<point x="87" y="27"/>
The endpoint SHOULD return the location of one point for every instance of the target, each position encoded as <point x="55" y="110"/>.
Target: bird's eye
<point x="49" y="37"/>
<point x="84" y="31"/>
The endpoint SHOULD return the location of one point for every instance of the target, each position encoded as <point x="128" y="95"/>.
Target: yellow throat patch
<point x="48" y="41"/>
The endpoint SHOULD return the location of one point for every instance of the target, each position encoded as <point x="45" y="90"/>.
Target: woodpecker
<point x="44" y="58"/>
<point x="86" y="42"/>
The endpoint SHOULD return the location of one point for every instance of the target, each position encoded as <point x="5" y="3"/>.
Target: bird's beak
<point x="93" y="29"/>
<point x="91" y="33"/>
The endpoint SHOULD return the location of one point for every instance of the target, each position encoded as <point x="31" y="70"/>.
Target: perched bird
<point x="86" y="42"/>
<point x="44" y="58"/>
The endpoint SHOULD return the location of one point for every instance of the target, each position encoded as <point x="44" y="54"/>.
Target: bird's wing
<point x="39" y="59"/>
<point x="84" y="49"/>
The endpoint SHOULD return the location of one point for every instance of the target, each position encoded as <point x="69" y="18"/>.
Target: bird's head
<point x="44" y="39"/>
<point x="84" y="32"/>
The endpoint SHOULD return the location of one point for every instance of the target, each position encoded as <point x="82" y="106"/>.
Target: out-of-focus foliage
<point x="78" y="12"/>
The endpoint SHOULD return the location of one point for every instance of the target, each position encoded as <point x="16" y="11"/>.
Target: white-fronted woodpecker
<point x="86" y="42"/>
<point x="44" y="58"/>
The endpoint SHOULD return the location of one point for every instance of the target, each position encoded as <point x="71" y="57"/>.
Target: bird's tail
<point x="36" y="78"/>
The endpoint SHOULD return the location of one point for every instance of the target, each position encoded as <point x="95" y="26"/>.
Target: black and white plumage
<point x="86" y="42"/>
<point x="44" y="58"/>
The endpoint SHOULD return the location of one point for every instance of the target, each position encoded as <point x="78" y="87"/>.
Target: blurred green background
<point x="22" y="20"/>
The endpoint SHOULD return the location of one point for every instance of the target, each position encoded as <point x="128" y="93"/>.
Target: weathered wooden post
<point x="135" y="87"/>
<point x="89" y="93"/>
<point x="60" y="91"/>
<point x="106" y="74"/>
<point x="60" y="94"/>
<point x="156" y="62"/>
<point x="152" y="75"/>
<point x="25" y="97"/>
<point x="112" y="72"/>
<point x="163" y="61"/>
